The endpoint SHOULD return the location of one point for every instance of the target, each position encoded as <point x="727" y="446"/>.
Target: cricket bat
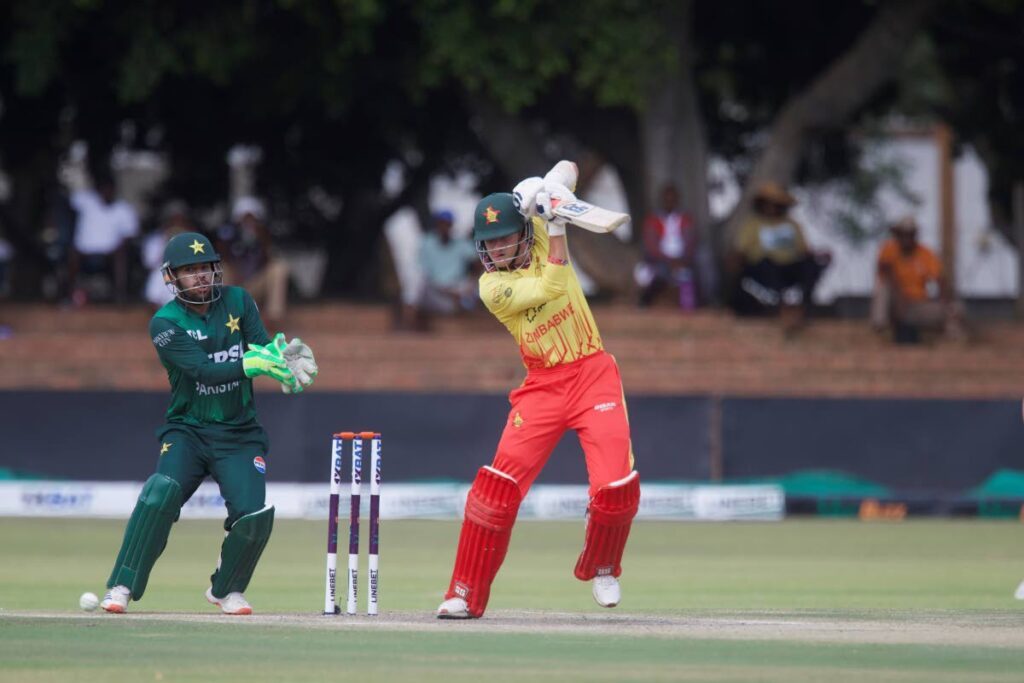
<point x="578" y="212"/>
<point x="589" y="217"/>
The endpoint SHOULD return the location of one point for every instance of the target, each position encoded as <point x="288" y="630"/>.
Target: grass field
<point x="795" y="601"/>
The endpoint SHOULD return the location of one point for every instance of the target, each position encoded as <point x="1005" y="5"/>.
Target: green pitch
<point x="795" y="601"/>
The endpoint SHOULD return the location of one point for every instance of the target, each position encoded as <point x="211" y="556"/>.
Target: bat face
<point x="589" y="217"/>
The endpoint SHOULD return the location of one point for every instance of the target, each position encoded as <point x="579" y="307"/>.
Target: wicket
<point x="337" y="449"/>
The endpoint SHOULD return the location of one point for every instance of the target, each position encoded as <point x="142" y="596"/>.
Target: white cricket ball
<point x="88" y="602"/>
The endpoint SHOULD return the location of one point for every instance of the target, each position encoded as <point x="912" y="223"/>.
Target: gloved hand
<point x="546" y="200"/>
<point x="299" y="359"/>
<point x="524" y="196"/>
<point x="268" y="361"/>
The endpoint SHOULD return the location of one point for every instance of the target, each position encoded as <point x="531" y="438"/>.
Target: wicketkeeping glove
<point x="299" y="359"/>
<point x="268" y="361"/>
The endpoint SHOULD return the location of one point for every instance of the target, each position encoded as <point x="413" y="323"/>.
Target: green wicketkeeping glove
<point x="267" y="360"/>
<point x="299" y="359"/>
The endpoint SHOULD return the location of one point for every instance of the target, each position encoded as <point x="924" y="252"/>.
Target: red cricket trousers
<point x="585" y="396"/>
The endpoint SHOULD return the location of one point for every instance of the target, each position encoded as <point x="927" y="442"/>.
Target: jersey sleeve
<point x="505" y="296"/>
<point x="178" y="350"/>
<point x="253" y="330"/>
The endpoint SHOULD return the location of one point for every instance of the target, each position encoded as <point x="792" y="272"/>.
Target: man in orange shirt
<point x="571" y="383"/>
<point x="911" y="291"/>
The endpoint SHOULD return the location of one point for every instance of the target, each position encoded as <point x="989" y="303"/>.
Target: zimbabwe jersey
<point x="203" y="358"/>
<point x="543" y="307"/>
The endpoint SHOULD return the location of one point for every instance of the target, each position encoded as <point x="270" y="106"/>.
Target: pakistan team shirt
<point x="203" y="358"/>
<point x="544" y="308"/>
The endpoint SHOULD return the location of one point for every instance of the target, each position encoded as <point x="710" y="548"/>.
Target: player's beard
<point x="202" y="293"/>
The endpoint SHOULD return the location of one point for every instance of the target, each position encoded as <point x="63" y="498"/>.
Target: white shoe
<point x="606" y="590"/>
<point x="116" y="600"/>
<point x="453" y="608"/>
<point x="232" y="603"/>
<point x="1019" y="594"/>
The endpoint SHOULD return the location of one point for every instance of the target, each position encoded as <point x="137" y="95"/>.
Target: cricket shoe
<point x="232" y="603"/>
<point x="454" y="608"/>
<point x="116" y="600"/>
<point x="606" y="590"/>
<point x="1019" y="594"/>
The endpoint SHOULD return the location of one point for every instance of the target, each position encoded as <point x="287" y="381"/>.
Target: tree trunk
<point x="837" y="94"/>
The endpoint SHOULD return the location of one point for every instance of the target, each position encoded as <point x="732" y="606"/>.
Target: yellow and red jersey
<point x="544" y="308"/>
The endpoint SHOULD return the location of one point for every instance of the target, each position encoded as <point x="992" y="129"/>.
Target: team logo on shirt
<point x="260" y="464"/>
<point x="517" y="420"/>
<point x="165" y="446"/>
<point x="232" y="323"/>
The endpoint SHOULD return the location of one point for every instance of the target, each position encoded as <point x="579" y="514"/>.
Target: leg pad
<point x="608" y="522"/>
<point x="241" y="551"/>
<point x="146" y="534"/>
<point x="491" y="509"/>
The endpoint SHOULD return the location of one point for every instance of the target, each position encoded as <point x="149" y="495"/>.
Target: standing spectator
<point x="912" y="293"/>
<point x="447" y="262"/>
<point x="103" y="229"/>
<point x="249" y="259"/>
<point x="670" y="250"/>
<point x="777" y="270"/>
<point x="174" y="220"/>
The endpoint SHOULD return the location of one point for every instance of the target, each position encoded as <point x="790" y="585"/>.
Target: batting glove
<point x="524" y="196"/>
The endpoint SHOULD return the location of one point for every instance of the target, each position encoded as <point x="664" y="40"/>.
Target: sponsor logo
<point x="198" y="335"/>
<point x="605" y="407"/>
<point x="163" y="339"/>
<point x="260" y="464"/>
<point x="331" y="581"/>
<point x="56" y="500"/>
<point x="604" y="571"/>
<point x="373" y="586"/>
<point x="462" y="590"/>
<point x="574" y="208"/>
<point x="231" y="355"/>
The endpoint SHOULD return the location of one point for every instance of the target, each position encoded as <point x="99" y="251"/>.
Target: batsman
<point x="211" y="341"/>
<point x="571" y="383"/>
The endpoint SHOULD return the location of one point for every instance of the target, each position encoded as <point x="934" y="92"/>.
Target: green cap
<point x="495" y="217"/>
<point x="188" y="248"/>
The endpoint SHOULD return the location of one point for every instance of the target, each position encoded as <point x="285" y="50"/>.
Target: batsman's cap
<point x="247" y="205"/>
<point x="773" y="192"/>
<point x="189" y="248"/>
<point x="904" y="226"/>
<point x="495" y="217"/>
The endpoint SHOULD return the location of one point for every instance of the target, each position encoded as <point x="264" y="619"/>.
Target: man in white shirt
<point x="102" y="230"/>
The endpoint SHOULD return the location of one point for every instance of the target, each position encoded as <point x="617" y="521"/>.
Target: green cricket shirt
<point x="203" y="358"/>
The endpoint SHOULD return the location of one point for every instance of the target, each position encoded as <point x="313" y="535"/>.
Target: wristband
<point x="558" y="261"/>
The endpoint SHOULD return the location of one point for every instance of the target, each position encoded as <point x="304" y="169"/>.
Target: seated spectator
<point x="103" y="228"/>
<point x="776" y="269"/>
<point x="174" y="219"/>
<point x="670" y="253"/>
<point x="249" y="261"/>
<point x="912" y="294"/>
<point x="449" y="267"/>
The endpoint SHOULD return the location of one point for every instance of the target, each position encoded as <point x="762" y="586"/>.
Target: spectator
<point x="103" y="229"/>
<point x="174" y="219"/>
<point x="449" y="272"/>
<point x="777" y="270"/>
<point x="912" y="294"/>
<point x="249" y="260"/>
<point x="670" y="251"/>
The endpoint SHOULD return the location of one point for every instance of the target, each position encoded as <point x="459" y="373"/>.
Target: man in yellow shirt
<point x="571" y="383"/>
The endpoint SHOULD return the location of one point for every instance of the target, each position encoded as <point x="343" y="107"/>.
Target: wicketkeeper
<point x="571" y="383"/>
<point x="212" y="342"/>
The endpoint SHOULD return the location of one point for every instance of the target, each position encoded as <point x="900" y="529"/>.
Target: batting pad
<point x="608" y="521"/>
<point x="491" y="509"/>
<point x="146" y="534"/>
<point x="241" y="551"/>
